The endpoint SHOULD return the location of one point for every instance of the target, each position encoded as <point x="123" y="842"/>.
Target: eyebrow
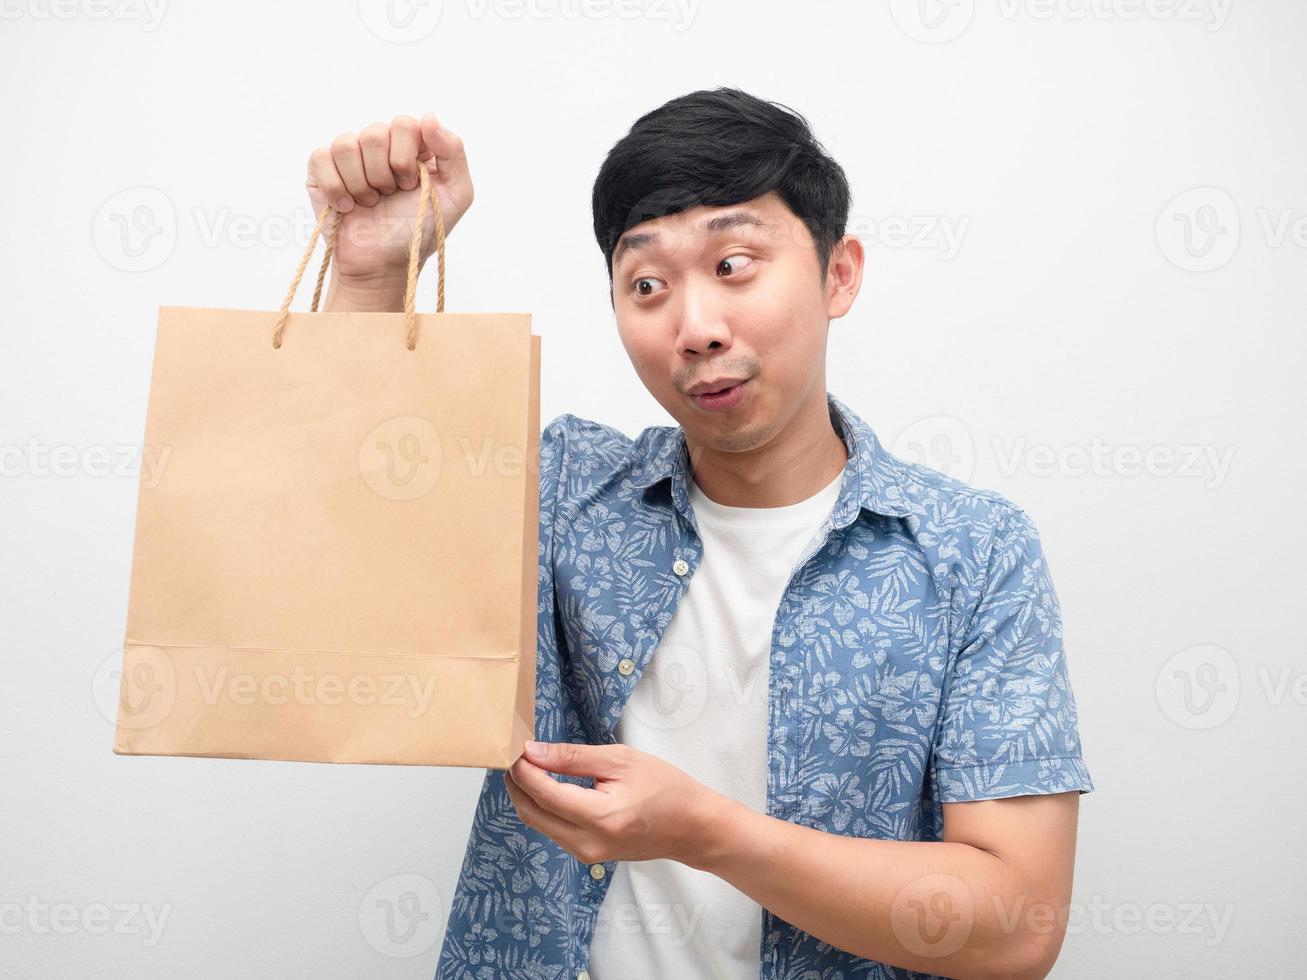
<point x="722" y="222"/>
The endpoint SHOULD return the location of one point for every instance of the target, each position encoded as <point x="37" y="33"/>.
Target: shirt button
<point x="583" y="975"/>
<point x="625" y="666"/>
<point x="680" y="567"/>
<point x="597" y="872"/>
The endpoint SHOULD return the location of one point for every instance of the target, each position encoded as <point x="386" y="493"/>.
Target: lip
<point x="719" y="384"/>
<point x="722" y="401"/>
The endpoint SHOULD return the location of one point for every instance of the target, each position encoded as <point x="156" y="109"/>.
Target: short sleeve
<point x="1009" y="724"/>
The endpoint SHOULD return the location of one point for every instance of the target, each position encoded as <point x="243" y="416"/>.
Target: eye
<point x="644" y="285"/>
<point x="734" y="264"/>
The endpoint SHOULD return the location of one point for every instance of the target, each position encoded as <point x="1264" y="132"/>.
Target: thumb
<point x="574" y="758"/>
<point x="445" y="149"/>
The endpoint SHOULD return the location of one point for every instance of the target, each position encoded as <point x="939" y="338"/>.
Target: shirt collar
<point x="871" y="474"/>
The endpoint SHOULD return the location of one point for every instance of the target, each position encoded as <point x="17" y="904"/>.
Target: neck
<point x="796" y="463"/>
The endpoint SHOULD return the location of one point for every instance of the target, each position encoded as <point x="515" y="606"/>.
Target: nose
<point x="703" y="326"/>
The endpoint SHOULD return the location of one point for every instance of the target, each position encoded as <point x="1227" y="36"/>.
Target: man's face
<point x="729" y="293"/>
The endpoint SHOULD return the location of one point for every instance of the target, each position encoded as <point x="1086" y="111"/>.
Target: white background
<point x="1072" y="315"/>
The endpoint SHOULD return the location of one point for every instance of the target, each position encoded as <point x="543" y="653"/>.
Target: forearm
<point x="382" y="294"/>
<point x="873" y="898"/>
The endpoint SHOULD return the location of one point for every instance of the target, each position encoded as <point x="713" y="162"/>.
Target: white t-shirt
<point x="701" y="704"/>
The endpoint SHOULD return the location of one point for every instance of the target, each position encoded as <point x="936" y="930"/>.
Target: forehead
<point x="766" y="215"/>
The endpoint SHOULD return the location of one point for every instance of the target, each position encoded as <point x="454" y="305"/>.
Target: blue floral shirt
<point x="916" y="660"/>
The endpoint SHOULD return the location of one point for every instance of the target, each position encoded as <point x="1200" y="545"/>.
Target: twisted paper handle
<point x="414" y="250"/>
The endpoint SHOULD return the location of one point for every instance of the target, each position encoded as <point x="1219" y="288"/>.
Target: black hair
<point x="715" y="148"/>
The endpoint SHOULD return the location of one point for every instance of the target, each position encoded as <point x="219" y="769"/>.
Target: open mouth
<point x="718" y="401"/>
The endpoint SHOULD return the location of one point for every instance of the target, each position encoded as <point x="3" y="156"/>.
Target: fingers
<point x="532" y="814"/>
<point x="383" y="158"/>
<point x="405" y="145"/>
<point x="563" y="799"/>
<point x="581" y="759"/>
<point x="375" y="143"/>
<point x="324" y="183"/>
<point x="348" y="158"/>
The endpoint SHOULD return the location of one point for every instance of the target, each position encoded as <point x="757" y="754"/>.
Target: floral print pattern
<point x="916" y="660"/>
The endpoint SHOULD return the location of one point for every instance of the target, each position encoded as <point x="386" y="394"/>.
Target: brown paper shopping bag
<point x="338" y="560"/>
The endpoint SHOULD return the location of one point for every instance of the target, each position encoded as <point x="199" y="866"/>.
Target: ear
<point x="843" y="275"/>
